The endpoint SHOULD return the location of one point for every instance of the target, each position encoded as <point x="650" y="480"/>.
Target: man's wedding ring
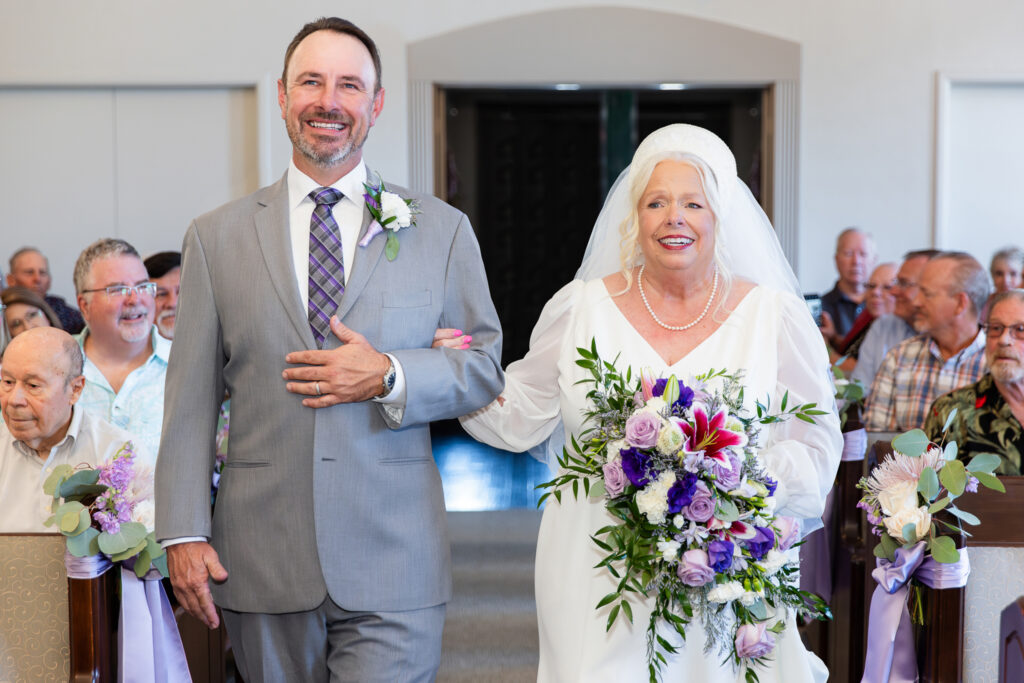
<point x="317" y="386"/>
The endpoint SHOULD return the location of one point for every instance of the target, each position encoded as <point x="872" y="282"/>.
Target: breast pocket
<point x="408" y="318"/>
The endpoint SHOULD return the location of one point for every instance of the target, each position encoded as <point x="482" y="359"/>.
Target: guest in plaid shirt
<point x="948" y="354"/>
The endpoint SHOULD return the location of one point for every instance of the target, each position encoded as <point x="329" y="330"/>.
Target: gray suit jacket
<point x="332" y="501"/>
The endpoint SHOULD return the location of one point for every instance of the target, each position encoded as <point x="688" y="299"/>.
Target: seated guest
<point x="125" y="357"/>
<point x="30" y="269"/>
<point x="878" y="301"/>
<point x="24" y="309"/>
<point x="40" y="383"/>
<point x="948" y="354"/>
<point x="840" y="306"/>
<point x="164" y="269"/>
<point x="890" y="330"/>
<point x="990" y="411"/>
<point x="1007" y="268"/>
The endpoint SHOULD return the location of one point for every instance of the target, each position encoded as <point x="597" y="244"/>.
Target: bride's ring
<point x="317" y="386"/>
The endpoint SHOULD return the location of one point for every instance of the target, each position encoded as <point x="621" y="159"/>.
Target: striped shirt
<point x="913" y="375"/>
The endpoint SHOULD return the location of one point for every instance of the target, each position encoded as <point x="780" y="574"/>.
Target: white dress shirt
<point x="90" y="440"/>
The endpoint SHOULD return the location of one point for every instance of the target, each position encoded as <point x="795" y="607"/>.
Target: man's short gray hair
<point x="21" y="252"/>
<point x="100" y="249"/>
<point x="969" y="277"/>
<point x="854" y="230"/>
<point x="1010" y="255"/>
<point x="1014" y="294"/>
<point x="76" y="361"/>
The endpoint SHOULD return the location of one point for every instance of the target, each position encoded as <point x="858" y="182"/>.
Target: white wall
<point x="867" y="82"/>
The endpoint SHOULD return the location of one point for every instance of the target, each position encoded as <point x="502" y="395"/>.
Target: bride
<point x="683" y="274"/>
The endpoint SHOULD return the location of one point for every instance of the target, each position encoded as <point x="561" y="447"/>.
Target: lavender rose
<point x="614" y="478"/>
<point x="642" y="429"/>
<point x="754" y="640"/>
<point x="728" y="479"/>
<point x="789" y="532"/>
<point x="720" y="555"/>
<point x="761" y="543"/>
<point x="634" y="464"/>
<point x="681" y="493"/>
<point x="702" y="507"/>
<point x="693" y="569"/>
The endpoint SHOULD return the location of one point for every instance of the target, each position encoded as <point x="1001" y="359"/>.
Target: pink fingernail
<point x="458" y="333"/>
<point x="469" y="338"/>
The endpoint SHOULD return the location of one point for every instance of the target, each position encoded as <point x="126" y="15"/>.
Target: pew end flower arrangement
<point x="849" y="394"/>
<point x="909" y="499"/>
<point x="676" y="465"/>
<point x="108" y="510"/>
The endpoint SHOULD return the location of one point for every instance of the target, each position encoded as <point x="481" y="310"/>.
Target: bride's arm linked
<point x="804" y="457"/>
<point x="528" y="409"/>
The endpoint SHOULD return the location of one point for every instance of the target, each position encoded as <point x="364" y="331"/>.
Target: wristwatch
<point x="388" y="380"/>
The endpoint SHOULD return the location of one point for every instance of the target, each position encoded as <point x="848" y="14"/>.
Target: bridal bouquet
<point x="108" y="510"/>
<point x="676" y="465"/>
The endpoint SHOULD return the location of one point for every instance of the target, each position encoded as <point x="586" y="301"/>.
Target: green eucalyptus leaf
<point x="143" y="562"/>
<point x="950" y="451"/>
<point x="129" y="553"/>
<point x="727" y="511"/>
<point x="949" y="420"/>
<point x="944" y="550"/>
<point x="928" y="484"/>
<point x="888" y="545"/>
<point x="70" y="507"/>
<point x="989" y="481"/>
<point x="912" y="443"/>
<point x="984" y="462"/>
<point x="954" y="477"/>
<point x="597" y="489"/>
<point x="129" y="536"/>
<point x="84" y="544"/>
<point x="57" y="475"/>
<point x="84" y="522"/>
<point x="964" y="515"/>
<point x="939" y="504"/>
<point x="81" y="483"/>
<point x="909" y="532"/>
<point x="391" y="246"/>
<point x="161" y="564"/>
<point x="759" y="610"/>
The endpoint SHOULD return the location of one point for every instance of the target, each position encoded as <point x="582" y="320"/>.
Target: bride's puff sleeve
<point x="529" y="409"/>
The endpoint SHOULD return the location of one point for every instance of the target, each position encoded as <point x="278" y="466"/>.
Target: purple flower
<point x="761" y="543"/>
<point x="693" y="569"/>
<point x="614" y="478"/>
<point x="702" y="507"/>
<point x="772" y="485"/>
<point x="659" y="387"/>
<point x="789" y="532"/>
<point x="726" y="479"/>
<point x="681" y="493"/>
<point x="754" y="640"/>
<point x="642" y="429"/>
<point x="634" y="464"/>
<point x="371" y="200"/>
<point x="972" y="485"/>
<point x="685" y="399"/>
<point x="720" y="555"/>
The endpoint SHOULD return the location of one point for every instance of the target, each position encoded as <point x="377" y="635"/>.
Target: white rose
<point x="726" y="592"/>
<point x="919" y="517"/>
<point x="669" y="550"/>
<point x="898" y="498"/>
<point x="670" y="438"/>
<point x="393" y="205"/>
<point x="144" y="512"/>
<point x="653" y="499"/>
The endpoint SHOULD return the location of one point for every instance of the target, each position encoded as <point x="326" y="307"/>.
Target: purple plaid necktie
<point x="326" y="268"/>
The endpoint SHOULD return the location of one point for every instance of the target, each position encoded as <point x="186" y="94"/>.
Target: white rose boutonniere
<point x="389" y="211"/>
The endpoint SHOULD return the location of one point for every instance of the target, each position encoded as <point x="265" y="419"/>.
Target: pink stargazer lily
<point x="709" y="436"/>
<point x="647" y="384"/>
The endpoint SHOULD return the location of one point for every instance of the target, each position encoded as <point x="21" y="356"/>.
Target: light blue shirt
<point x="139" y="407"/>
<point x="884" y="334"/>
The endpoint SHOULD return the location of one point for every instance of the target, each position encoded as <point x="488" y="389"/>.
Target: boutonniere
<point x="389" y="211"/>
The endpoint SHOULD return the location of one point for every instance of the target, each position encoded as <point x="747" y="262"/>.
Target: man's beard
<point x="166" y="329"/>
<point x="1007" y="373"/>
<point x="333" y="156"/>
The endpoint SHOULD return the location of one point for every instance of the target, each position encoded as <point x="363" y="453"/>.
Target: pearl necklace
<point x="676" y="328"/>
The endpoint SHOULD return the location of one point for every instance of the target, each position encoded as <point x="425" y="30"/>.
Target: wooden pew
<point x="1011" y="643"/>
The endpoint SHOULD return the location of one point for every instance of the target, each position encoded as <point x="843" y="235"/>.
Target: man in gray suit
<point x="329" y="547"/>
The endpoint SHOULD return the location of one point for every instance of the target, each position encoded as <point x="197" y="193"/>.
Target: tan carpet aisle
<point x="490" y="634"/>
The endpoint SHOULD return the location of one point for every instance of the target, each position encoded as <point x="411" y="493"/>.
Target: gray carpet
<point x="490" y="633"/>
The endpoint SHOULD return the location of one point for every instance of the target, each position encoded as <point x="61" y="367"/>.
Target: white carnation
<point x="726" y="592"/>
<point x="656" y="405"/>
<point x="612" y="450"/>
<point x="393" y="205"/>
<point x="144" y="512"/>
<point x="670" y="438"/>
<point x="669" y="550"/>
<point x="773" y="562"/>
<point x="653" y="499"/>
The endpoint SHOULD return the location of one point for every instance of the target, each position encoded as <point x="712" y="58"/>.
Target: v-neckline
<point x="654" y="351"/>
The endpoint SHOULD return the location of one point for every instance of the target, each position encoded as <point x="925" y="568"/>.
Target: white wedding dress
<point x="770" y="336"/>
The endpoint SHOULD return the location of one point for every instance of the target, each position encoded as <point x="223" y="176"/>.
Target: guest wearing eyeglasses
<point x="989" y="412"/>
<point x="949" y="352"/>
<point x="24" y="310"/>
<point x="125" y="356"/>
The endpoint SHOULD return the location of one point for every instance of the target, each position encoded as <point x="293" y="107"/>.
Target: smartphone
<point x="814" y="304"/>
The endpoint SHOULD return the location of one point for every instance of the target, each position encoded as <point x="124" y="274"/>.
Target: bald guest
<point x="40" y="383"/>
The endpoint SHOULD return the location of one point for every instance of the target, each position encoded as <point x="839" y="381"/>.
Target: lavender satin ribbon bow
<point x="88" y="567"/>
<point x="855" y="444"/>
<point x="891" y="657"/>
<point x="147" y="635"/>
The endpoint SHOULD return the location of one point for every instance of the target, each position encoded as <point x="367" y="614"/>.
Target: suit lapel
<point x="275" y="243"/>
<point x="364" y="263"/>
